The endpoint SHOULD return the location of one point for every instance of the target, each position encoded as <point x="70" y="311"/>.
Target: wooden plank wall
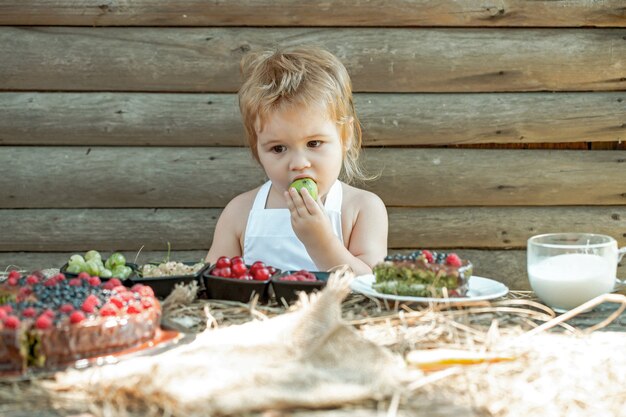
<point x="119" y="126"/>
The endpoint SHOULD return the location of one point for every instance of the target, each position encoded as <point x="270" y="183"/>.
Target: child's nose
<point x="299" y="161"/>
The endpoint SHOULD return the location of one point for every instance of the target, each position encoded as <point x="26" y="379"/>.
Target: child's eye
<point x="314" y="143"/>
<point x="278" y="148"/>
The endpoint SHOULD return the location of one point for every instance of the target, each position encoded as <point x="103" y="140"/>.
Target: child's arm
<point x="367" y="241"/>
<point x="229" y="229"/>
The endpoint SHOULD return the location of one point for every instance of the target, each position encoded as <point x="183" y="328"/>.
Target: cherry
<point x="260" y="274"/>
<point x="237" y="260"/>
<point x="223" y="262"/>
<point x="222" y="272"/>
<point x="239" y="269"/>
<point x="257" y="265"/>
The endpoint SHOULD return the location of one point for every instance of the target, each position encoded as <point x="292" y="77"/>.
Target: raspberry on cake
<point x="54" y="321"/>
<point x="423" y="274"/>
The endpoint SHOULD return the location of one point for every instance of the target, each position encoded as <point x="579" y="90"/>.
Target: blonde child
<point x="300" y="122"/>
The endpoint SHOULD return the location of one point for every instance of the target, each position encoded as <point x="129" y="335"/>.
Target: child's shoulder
<point x="242" y="203"/>
<point x="354" y="196"/>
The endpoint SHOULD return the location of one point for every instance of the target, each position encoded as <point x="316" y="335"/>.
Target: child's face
<point x="300" y="141"/>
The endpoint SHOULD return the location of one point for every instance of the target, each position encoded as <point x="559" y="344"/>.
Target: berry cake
<point x="50" y="321"/>
<point x="423" y="274"/>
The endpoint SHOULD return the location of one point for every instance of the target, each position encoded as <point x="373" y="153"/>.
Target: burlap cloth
<point x="305" y="358"/>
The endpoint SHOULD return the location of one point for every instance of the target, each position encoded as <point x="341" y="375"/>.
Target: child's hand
<point x="308" y="218"/>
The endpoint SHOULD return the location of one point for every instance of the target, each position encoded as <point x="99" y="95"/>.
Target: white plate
<point x="479" y="289"/>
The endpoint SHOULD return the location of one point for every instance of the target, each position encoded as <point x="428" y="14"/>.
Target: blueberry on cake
<point x="423" y="273"/>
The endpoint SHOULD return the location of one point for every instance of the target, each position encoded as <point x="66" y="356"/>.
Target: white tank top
<point x="270" y="238"/>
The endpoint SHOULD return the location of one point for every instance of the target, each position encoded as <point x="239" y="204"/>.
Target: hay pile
<point x="305" y="361"/>
<point x="306" y="358"/>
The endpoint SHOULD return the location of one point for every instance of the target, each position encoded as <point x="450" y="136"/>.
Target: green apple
<point x="307" y="183"/>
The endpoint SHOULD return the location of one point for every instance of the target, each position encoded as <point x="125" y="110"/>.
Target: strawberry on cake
<point x="423" y="273"/>
<point x="48" y="321"/>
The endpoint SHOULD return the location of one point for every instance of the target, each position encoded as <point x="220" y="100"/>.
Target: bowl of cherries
<point x="232" y="279"/>
<point x="288" y="284"/>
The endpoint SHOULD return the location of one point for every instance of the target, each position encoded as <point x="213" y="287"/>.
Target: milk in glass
<point x="568" y="280"/>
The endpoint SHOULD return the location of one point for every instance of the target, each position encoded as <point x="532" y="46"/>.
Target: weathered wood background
<point x="488" y="123"/>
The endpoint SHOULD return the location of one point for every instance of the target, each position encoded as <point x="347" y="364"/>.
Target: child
<point x="300" y="122"/>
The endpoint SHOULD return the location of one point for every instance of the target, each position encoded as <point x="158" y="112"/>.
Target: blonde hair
<point x="300" y="76"/>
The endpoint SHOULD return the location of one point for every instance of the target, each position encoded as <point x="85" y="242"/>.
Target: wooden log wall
<point x="488" y="123"/>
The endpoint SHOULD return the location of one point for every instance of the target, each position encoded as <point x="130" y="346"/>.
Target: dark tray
<point x="220" y="288"/>
<point x="288" y="290"/>
<point x="163" y="286"/>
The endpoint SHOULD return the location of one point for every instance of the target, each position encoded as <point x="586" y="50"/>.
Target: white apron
<point x="270" y="238"/>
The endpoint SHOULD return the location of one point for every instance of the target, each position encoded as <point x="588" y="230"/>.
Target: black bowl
<point x="288" y="290"/>
<point x="163" y="286"/>
<point x="220" y="288"/>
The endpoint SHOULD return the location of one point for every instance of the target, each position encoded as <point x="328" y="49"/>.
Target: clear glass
<point x="567" y="269"/>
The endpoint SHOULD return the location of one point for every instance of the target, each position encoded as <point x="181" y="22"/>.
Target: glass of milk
<point x="567" y="269"/>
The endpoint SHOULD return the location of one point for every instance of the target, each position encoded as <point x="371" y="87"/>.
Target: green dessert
<point x="423" y="274"/>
